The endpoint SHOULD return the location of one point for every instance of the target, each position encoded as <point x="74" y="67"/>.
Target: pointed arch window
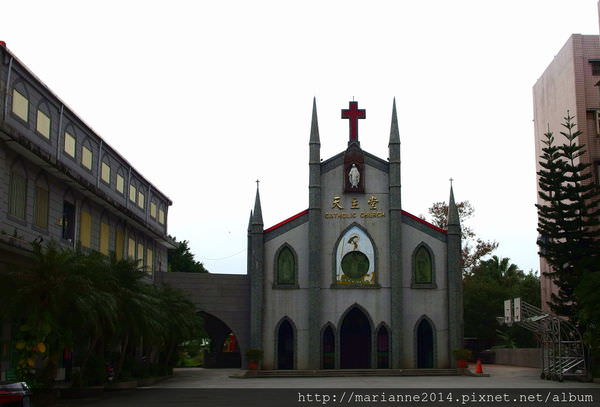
<point x="328" y="347"/>
<point x="355" y="259"/>
<point x="286" y="268"/>
<point x="423" y="267"/>
<point x="383" y="347"/>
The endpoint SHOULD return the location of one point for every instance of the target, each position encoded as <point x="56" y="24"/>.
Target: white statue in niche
<point x="354" y="176"/>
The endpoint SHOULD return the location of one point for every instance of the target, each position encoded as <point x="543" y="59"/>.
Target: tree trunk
<point x="122" y="356"/>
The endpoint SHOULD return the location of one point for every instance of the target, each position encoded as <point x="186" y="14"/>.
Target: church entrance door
<point x="424" y="345"/>
<point x="285" y="346"/>
<point x="355" y="341"/>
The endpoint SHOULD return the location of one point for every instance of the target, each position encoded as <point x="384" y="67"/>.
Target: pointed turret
<point x="396" y="264"/>
<point x="314" y="125"/>
<point x="394" y="133"/>
<point x="454" y="270"/>
<point x="453" y="218"/>
<point x="314" y="240"/>
<point x="256" y="249"/>
<point x="257" y="212"/>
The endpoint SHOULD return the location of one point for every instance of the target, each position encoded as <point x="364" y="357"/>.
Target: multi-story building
<point x="60" y="181"/>
<point x="571" y="82"/>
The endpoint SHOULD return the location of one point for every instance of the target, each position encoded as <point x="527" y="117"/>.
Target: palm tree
<point x="55" y="300"/>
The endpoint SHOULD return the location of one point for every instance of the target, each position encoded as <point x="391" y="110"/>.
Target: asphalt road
<point x="215" y="387"/>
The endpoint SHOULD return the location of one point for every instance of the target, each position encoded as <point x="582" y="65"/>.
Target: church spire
<point x="257" y="212"/>
<point x="453" y="217"/>
<point x="394" y="133"/>
<point x="314" y="126"/>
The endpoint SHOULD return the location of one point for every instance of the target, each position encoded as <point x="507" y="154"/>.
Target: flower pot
<point x="461" y="364"/>
<point x="253" y="365"/>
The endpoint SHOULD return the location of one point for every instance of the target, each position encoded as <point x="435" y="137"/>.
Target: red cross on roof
<point x="353" y="114"/>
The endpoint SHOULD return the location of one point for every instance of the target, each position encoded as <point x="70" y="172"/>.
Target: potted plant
<point x="461" y="355"/>
<point x="254" y="357"/>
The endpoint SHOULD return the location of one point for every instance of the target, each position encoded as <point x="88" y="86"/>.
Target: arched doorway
<point x="223" y="349"/>
<point x="328" y="348"/>
<point x="285" y="345"/>
<point x="424" y="345"/>
<point x="355" y="340"/>
<point x="383" y="348"/>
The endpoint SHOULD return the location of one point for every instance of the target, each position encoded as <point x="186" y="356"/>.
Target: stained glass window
<point x="423" y="267"/>
<point x="286" y="267"/>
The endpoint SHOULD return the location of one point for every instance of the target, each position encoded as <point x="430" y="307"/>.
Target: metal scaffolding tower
<point x="563" y="352"/>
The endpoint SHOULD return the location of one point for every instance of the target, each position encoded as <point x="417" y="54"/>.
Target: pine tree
<point x="567" y="218"/>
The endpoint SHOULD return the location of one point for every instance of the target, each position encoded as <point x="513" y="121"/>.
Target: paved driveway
<point x="215" y="388"/>
<point x="507" y="377"/>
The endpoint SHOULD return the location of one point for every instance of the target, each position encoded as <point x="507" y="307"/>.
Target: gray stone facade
<point x="403" y="324"/>
<point x="33" y="157"/>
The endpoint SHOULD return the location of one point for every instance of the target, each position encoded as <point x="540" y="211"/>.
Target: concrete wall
<point x="431" y="303"/>
<point x="286" y="302"/>
<point x="528" y="357"/>
<point x="224" y="296"/>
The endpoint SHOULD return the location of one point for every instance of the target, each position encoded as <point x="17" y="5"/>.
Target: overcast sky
<point x="204" y="97"/>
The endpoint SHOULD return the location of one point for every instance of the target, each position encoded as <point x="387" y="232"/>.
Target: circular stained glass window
<point x="355" y="265"/>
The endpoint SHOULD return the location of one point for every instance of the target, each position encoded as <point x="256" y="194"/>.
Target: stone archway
<point x="219" y="332"/>
<point x="355" y="340"/>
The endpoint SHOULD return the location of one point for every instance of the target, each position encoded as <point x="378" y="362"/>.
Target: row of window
<point x="135" y="250"/>
<point x="286" y="267"/>
<point x="20" y="107"/>
<point x="17" y="201"/>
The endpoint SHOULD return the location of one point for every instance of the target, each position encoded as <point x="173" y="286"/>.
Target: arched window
<point x="17" y="194"/>
<point x="423" y="268"/>
<point x="355" y="259"/>
<point x="286" y="267"/>
<point x="20" y="101"/>
<point x="87" y="155"/>
<point x="286" y="344"/>
<point x="105" y="169"/>
<point x="425" y="343"/>
<point x="70" y="141"/>
<point x="383" y="347"/>
<point x="328" y="347"/>
<point x="43" y="120"/>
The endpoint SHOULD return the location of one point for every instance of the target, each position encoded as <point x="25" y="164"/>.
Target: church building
<point x="354" y="281"/>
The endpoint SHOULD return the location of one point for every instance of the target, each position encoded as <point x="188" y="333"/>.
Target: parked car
<point x="14" y="394"/>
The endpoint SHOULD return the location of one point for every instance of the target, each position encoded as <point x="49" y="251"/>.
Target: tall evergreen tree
<point x="567" y="217"/>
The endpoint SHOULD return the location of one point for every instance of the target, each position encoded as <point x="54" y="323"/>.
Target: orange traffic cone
<point x="479" y="368"/>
